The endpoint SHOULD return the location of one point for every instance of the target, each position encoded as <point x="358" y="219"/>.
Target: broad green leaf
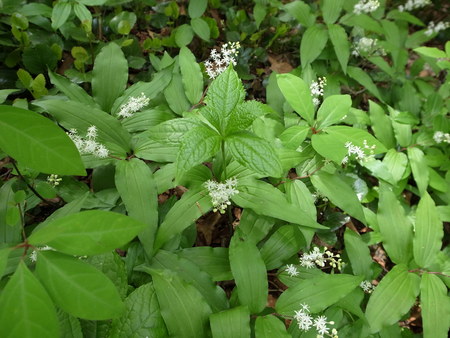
<point x="392" y="298"/>
<point x="137" y="188"/>
<point x="300" y="11"/>
<point x="435" y="305"/>
<point x="294" y="136"/>
<point x="9" y="234"/>
<point x="26" y="308"/>
<point x="254" y="226"/>
<point x="395" y="227"/>
<point x="77" y="287"/>
<point x="38" y="143"/>
<point x="341" y="46"/>
<point x="77" y="115"/>
<point x="192" y="205"/>
<point x="428" y="232"/>
<point x="175" y="95"/>
<point x="4" y="254"/>
<point x="245" y="114"/>
<point x="249" y="272"/>
<point x="60" y="14"/>
<point x="231" y="323"/>
<point x="183" y="308"/>
<point x="381" y="125"/>
<point x="318" y="292"/>
<point x="419" y="168"/>
<point x="396" y="163"/>
<point x="196" y="8"/>
<point x="70" y="89"/>
<point x="358" y="253"/>
<point x="82" y="13"/>
<point x="4" y="93"/>
<point x="172" y="131"/>
<point x="254" y="153"/>
<point x="332" y="110"/>
<point x="69" y="325"/>
<point x="284" y="243"/>
<point x="298" y="95"/>
<point x="331" y="9"/>
<point x="313" y="42"/>
<point x="142" y="316"/>
<point x="88" y="232"/>
<point x="183" y="35"/>
<point x="198" y="145"/>
<point x="267" y="200"/>
<point x="191" y="75"/>
<point x="402" y="132"/>
<point x="365" y="80"/>
<point x="431" y="52"/>
<point x="339" y="192"/>
<point x="109" y="76"/>
<point x="214" y="261"/>
<point x="201" y="28"/>
<point x="269" y="327"/>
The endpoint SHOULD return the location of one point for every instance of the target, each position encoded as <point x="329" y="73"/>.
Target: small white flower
<point x="358" y="152"/>
<point x="367" y="47"/>
<point x="33" y="255"/>
<point x="366" y="6"/>
<point x="218" y="62"/>
<point x="101" y="151"/>
<point x="291" y="269"/>
<point x="53" y="180"/>
<point x="441" y="137"/>
<point x="413" y="4"/>
<point x="133" y="105"/>
<point x="304" y="319"/>
<point x="316" y="88"/>
<point x="221" y="193"/>
<point x="367" y="286"/>
<point x="436" y="28"/>
<point x="320" y="323"/>
<point x="92" y="133"/>
<point x="88" y="144"/>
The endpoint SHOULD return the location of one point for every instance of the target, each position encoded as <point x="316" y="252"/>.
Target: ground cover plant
<point x="224" y="168"/>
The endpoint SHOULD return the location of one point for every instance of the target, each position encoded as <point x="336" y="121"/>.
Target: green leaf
<point x="69" y="325"/>
<point x="77" y="287"/>
<point x="175" y="95"/>
<point x="70" y="89"/>
<point x="396" y="163"/>
<point x="313" y="42"/>
<point x="245" y="113"/>
<point x="419" y="168"/>
<point x="332" y="110"/>
<point x="254" y="226"/>
<point x="196" y="8"/>
<point x="142" y="316"/>
<point x="432" y="52"/>
<point x="38" y="143"/>
<point x="27" y="310"/>
<point x="339" y="192"/>
<point x="269" y="327"/>
<point x="4" y="93"/>
<point x="254" y="153"/>
<point x="249" y="272"/>
<point x="137" y="188"/>
<point x="183" y="35"/>
<point x="88" y="232"/>
<point x="298" y="95"/>
<point x="60" y="14"/>
<point x="435" y="305"/>
<point x="428" y="232"/>
<point x="231" y="323"/>
<point x="80" y="116"/>
<point x="183" y="308"/>
<point x="172" y="131"/>
<point x="109" y="76"/>
<point x="201" y="28"/>
<point x="192" y="205"/>
<point x="381" y="125"/>
<point x="198" y="145"/>
<point x="358" y="253"/>
<point x="82" y="13"/>
<point x="4" y="254"/>
<point x="214" y="261"/>
<point x="340" y="43"/>
<point x="192" y="76"/>
<point x="318" y="292"/>
<point x="331" y="9"/>
<point x="8" y="234"/>
<point x="365" y="80"/>
<point x="300" y="11"/>
<point x="294" y="136"/>
<point x="392" y="298"/>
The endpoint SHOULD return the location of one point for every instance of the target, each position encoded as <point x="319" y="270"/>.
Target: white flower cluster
<point x="133" y="105"/>
<point x="367" y="286"/>
<point x="53" y="180"/>
<point x="366" y="6"/>
<point x="219" y="61"/>
<point x="367" y="46"/>
<point x="360" y="154"/>
<point x="220" y="193"/>
<point x="436" y="28"/>
<point x="33" y="255"/>
<point x="316" y="89"/>
<point x="88" y="144"/>
<point x="413" y="4"/>
<point x="292" y="271"/>
<point x="305" y="322"/>
<point x="441" y="137"/>
<point x="319" y="258"/>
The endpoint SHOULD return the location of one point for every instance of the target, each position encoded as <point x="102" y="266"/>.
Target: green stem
<point x="222" y="146"/>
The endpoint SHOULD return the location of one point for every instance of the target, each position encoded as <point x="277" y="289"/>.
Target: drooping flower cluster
<point x="441" y="137"/>
<point x="366" y="6"/>
<point x="413" y="4"/>
<point x="219" y="61"/>
<point x="88" y="144"/>
<point x="436" y="28"/>
<point x="360" y="153"/>
<point x="316" y="89"/>
<point x="367" y="286"/>
<point x="221" y="193"/>
<point x="305" y="322"/>
<point x="53" y="180"/>
<point x="134" y="104"/>
<point x="367" y="47"/>
<point x="319" y="258"/>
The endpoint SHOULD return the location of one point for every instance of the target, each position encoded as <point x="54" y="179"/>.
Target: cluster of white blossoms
<point x="441" y="137"/>
<point x="134" y="104"/>
<point x="366" y="6"/>
<point x="413" y="4"/>
<point x="88" y="144"/>
<point x="221" y="193"/>
<point x="219" y="61"/>
<point x="305" y="322"/>
<point x="319" y="258"/>
<point x="291" y="269"/>
<point x="316" y="89"/>
<point x="33" y="255"/>
<point x="367" y="286"/>
<point x="360" y="153"/>
<point x="53" y="180"/>
<point x="367" y="46"/>
<point x="436" y="28"/>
